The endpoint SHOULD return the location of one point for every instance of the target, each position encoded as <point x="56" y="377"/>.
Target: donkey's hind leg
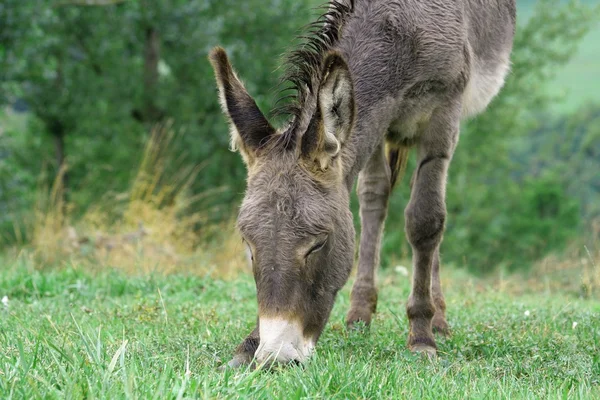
<point x="373" y="192"/>
<point x="425" y="217"/>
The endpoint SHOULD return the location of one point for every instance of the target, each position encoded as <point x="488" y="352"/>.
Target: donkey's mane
<point x="303" y="65"/>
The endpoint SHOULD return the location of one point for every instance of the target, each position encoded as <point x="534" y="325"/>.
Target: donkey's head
<point x="294" y="218"/>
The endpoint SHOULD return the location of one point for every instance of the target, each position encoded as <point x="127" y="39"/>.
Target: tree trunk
<point x="57" y="130"/>
<point x="151" y="58"/>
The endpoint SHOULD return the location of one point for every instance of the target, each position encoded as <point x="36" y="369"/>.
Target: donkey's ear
<point x="250" y="129"/>
<point x="336" y="112"/>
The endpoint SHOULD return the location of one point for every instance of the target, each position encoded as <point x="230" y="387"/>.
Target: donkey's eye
<point x="316" y="247"/>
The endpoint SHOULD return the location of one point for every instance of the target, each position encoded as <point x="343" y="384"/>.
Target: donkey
<point x="373" y="79"/>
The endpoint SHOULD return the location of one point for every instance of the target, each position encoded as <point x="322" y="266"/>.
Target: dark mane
<point x="303" y="65"/>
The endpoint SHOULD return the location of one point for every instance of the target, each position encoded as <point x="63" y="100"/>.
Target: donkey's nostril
<point x="272" y="364"/>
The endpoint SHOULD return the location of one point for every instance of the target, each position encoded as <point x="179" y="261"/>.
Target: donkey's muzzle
<point x="282" y="342"/>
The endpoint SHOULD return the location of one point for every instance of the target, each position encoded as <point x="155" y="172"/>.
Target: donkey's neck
<point x="376" y="109"/>
<point x="375" y="93"/>
<point x="370" y="130"/>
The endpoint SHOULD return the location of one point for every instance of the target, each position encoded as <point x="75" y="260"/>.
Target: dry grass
<point x="148" y="229"/>
<point x="48" y="221"/>
<point x="225" y="252"/>
<point x="576" y="270"/>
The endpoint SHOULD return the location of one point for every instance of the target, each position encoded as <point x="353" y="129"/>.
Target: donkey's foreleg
<point x="244" y="353"/>
<point x="373" y="192"/>
<point x="439" y="323"/>
<point x="425" y="217"/>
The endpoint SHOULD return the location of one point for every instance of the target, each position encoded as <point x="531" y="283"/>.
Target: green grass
<point x="72" y="334"/>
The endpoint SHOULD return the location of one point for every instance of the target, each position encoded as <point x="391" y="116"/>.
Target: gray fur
<point x="409" y="71"/>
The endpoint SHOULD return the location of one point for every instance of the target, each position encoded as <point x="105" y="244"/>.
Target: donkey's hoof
<point x="440" y="326"/>
<point x="358" y="317"/>
<point x="424" y="350"/>
<point x="238" y="361"/>
<point x="425" y="346"/>
<point x="362" y="306"/>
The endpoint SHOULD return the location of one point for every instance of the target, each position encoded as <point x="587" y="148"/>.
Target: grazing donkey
<point x="372" y="80"/>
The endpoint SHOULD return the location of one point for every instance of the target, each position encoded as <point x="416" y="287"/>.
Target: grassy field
<point x="74" y="334"/>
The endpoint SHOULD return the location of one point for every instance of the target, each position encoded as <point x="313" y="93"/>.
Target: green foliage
<point x="533" y="218"/>
<point x="570" y="148"/>
<point x="575" y="82"/>
<point x="69" y="333"/>
<point x="20" y="167"/>
<point x="88" y="76"/>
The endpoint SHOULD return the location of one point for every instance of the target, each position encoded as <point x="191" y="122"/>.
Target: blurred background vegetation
<point x="113" y="146"/>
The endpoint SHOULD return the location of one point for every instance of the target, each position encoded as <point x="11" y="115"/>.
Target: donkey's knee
<point x="373" y="192"/>
<point x="424" y="224"/>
